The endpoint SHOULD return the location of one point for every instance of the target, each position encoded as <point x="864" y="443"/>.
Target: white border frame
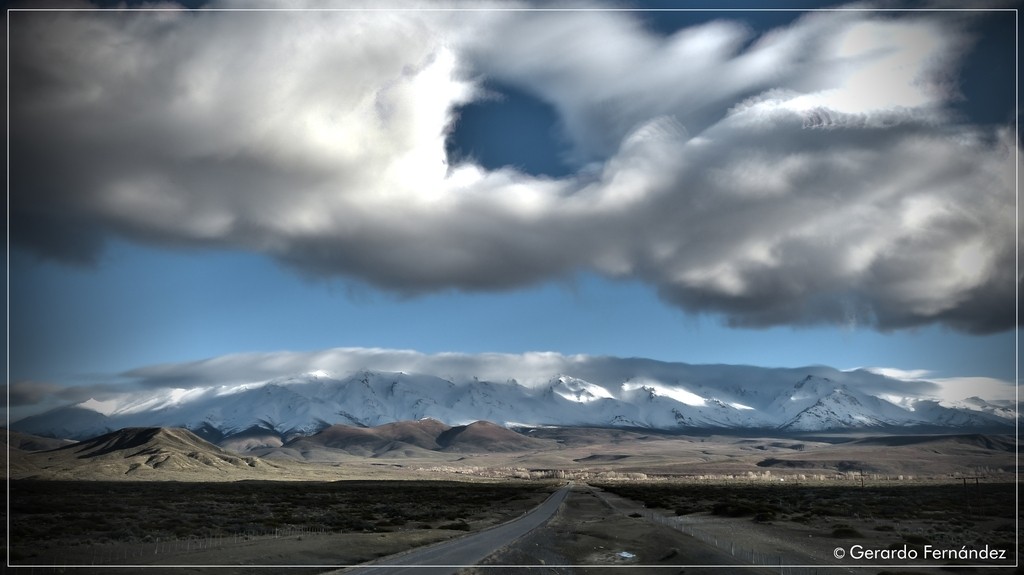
<point x="498" y="9"/>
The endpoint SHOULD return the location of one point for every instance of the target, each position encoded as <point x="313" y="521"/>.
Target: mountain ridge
<point x="161" y="454"/>
<point x="283" y="409"/>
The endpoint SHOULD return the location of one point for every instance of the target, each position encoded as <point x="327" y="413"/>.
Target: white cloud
<point x="530" y="369"/>
<point x="959" y="388"/>
<point x="951" y="389"/>
<point x="150" y="387"/>
<point x="814" y="176"/>
<point x="897" y="373"/>
<point x="256" y="368"/>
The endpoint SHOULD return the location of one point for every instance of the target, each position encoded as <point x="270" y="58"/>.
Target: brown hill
<point x="15" y="457"/>
<point x="144" y="453"/>
<point x="486" y="437"/>
<point x="422" y="433"/>
<point x="29" y="442"/>
<point x="250" y="439"/>
<point x="423" y="438"/>
<point x="408" y="438"/>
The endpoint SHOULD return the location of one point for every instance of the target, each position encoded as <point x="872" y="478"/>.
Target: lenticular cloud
<point x="813" y="174"/>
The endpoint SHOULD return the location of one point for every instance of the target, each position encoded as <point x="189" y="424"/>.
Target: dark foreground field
<point x="606" y="528"/>
<point x="806" y="523"/>
<point x="956" y="507"/>
<point x="92" y="523"/>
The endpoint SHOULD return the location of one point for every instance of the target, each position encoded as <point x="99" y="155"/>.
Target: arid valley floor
<point x="167" y="502"/>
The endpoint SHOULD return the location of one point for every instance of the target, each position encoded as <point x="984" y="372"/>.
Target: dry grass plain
<point x="587" y="536"/>
<point x="806" y="523"/>
<point x="239" y="523"/>
<point x="685" y="526"/>
<point x="176" y="509"/>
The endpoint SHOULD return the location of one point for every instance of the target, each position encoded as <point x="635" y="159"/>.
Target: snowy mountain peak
<point x="700" y="396"/>
<point x="105" y="407"/>
<point x="578" y="390"/>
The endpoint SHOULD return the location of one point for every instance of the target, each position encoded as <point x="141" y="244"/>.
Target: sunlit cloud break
<point x="812" y="175"/>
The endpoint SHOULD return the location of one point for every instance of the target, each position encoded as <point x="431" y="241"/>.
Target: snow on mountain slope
<point x="661" y="396"/>
<point x="975" y="414"/>
<point x="578" y="390"/>
<point x="819" y="403"/>
<point x="1003" y="409"/>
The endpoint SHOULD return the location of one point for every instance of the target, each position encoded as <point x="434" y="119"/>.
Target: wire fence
<point x="151" y="552"/>
<point x="786" y="563"/>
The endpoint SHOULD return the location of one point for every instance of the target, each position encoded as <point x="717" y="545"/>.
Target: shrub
<point x="730" y="509"/>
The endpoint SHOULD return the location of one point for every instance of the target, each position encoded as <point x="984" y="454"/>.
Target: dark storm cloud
<point x="811" y="175"/>
<point x="28" y="392"/>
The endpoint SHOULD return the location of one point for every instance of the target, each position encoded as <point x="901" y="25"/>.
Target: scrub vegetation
<point x="56" y="514"/>
<point x="908" y="513"/>
<point x="804" y="502"/>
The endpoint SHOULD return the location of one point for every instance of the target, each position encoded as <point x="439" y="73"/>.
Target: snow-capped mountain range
<point x="671" y="397"/>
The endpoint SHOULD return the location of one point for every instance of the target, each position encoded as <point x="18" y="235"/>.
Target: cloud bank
<point x="539" y="368"/>
<point x="811" y="175"/>
<point x="231" y="373"/>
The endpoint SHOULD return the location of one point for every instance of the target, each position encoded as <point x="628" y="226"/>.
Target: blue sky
<point x="100" y="321"/>
<point x="506" y="194"/>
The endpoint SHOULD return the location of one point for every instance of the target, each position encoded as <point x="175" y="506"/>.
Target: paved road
<point x="448" y="557"/>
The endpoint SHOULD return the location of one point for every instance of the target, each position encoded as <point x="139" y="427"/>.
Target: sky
<point x="772" y="188"/>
